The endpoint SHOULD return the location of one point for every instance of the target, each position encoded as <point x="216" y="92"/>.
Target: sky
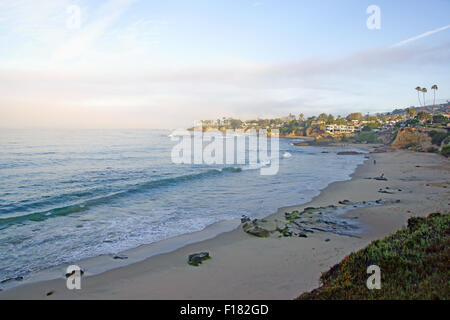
<point x="165" y="64"/>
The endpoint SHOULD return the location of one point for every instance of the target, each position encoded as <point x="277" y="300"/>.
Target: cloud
<point x="81" y="43"/>
<point x="423" y="35"/>
<point x="168" y="97"/>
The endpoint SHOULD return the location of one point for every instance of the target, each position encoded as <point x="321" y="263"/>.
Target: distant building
<point x="341" y="129"/>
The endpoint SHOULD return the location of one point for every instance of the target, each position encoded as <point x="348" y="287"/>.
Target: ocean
<point x="67" y="195"/>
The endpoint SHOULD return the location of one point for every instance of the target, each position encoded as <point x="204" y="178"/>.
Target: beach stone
<point x="73" y="272"/>
<point x="349" y="153"/>
<point x="301" y="144"/>
<point x="120" y="257"/>
<point x="327" y="240"/>
<point x="245" y="219"/>
<point x="345" y="202"/>
<point x="49" y="293"/>
<point x="302" y="235"/>
<point x="287" y="234"/>
<point x="197" y="259"/>
<point x="258" y="232"/>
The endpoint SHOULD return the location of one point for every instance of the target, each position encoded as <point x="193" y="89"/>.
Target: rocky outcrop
<point x="255" y="230"/>
<point x="412" y="139"/>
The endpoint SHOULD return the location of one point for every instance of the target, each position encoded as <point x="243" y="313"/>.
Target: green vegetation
<point x="414" y="264"/>
<point x="366" y="137"/>
<point x="440" y="118"/>
<point x="437" y="137"/>
<point x="446" y="151"/>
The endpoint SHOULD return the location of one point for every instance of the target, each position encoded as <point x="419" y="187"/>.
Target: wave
<point x="85" y="205"/>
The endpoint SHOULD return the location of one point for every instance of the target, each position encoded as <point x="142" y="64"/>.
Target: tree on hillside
<point x="440" y="118"/>
<point x="323" y="117"/>
<point x="419" y="89"/>
<point x="411" y="112"/>
<point x="330" y="119"/>
<point x="355" y="116"/>
<point x="301" y="117"/>
<point x="424" y="116"/>
<point x="434" y="88"/>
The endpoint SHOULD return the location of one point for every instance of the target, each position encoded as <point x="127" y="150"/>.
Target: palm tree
<point x="424" y="90"/>
<point x="434" y="88"/>
<point x="419" y="89"/>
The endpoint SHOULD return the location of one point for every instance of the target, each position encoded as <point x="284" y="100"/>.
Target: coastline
<point x="245" y="267"/>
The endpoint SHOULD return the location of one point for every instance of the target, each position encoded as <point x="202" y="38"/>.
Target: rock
<point x="349" y="153"/>
<point x="73" y="272"/>
<point x="287" y="234"/>
<point x="258" y="232"/>
<point x="327" y="240"/>
<point x="302" y="235"/>
<point x="301" y="144"/>
<point x="20" y="278"/>
<point x="345" y="202"/>
<point x="245" y="219"/>
<point x="197" y="259"/>
<point x="119" y="257"/>
<point x="49" y="293"/>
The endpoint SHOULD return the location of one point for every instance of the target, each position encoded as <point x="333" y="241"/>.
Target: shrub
<point x="413" y="263"/>
<point x="437" y="137"/>
<point x="369" y="137"/>
<point x="446" y="151"/>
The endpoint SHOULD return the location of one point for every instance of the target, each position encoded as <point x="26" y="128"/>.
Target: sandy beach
<point x="247" y="267"/>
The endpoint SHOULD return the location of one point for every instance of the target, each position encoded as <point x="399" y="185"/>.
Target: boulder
<point x="287" y="234"/>
<point x="197" y="259"/>
<point x="258" y="232"/>
<point x="120" y="257"/>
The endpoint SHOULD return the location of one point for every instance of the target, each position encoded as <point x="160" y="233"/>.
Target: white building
<point x="340" y="129"/>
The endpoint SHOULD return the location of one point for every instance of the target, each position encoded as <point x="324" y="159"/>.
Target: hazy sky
<point x="164" y="64"/>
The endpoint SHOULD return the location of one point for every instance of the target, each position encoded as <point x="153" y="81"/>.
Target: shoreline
<point x="96" y="265"/>
<point x="259" y="274"/>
